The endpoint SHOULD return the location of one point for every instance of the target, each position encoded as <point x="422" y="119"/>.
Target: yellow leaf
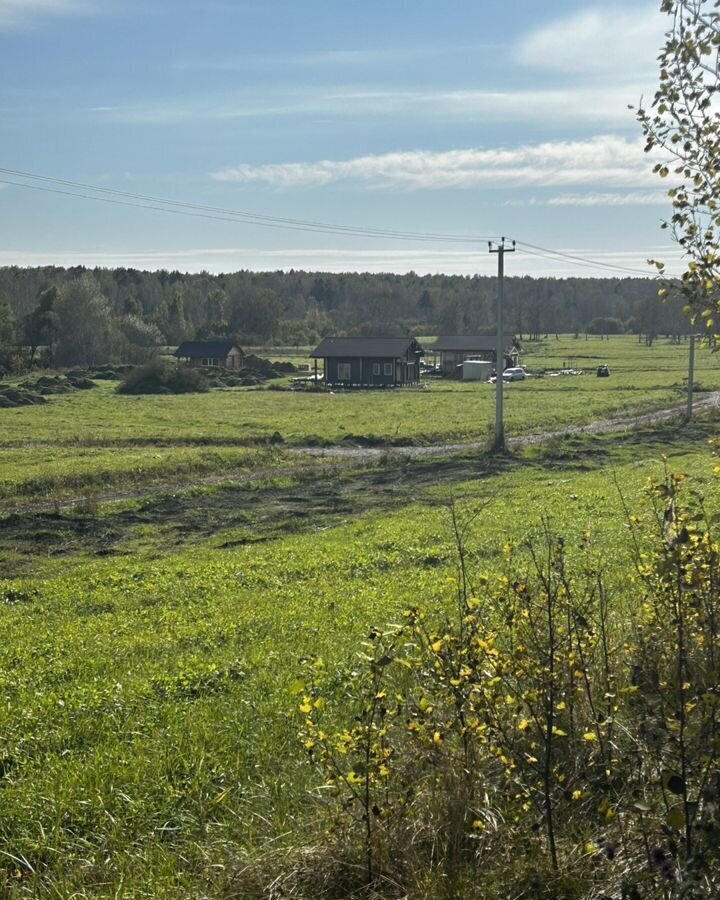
<point x="590" y="736"/>
<point x="675" y="818"/>
<point x="437" y="738"/>
<point x="576" y="795"/>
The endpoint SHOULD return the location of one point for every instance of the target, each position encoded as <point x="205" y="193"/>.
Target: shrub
<point x="163" y="378"/>
<point x="540" y="723"/>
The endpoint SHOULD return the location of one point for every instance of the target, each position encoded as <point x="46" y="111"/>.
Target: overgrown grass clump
<point x="163" y="378"/>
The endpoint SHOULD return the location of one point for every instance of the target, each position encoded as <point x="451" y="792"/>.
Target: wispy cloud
<point x="612" y="40"/>
<point x="566" y="106"/>
<point x="15" y="13"/>
<point x="629" y="198"/>
<point x="606" y="160"/>
<point x="633" y="198"/>
<point x="422" y="261"/>
<point x="395" y="56"/>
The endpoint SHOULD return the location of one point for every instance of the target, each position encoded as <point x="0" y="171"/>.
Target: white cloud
<point x="629" y="198"/>
<point x="609" y="39"/>
<point x="17" y="12"/>
<point x="610" y="161"/>
<point x="566" y="106"/>
<point x="633" y="198"/>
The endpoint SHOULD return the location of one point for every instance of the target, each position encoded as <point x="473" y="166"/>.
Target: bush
<point x="162" y="378"/>
<point x="540" y="724"/>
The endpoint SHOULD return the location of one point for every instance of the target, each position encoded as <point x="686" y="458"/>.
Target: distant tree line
<point x="87" y="316"/>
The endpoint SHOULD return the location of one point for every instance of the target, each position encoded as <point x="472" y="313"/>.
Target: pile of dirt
<point x="256" y="372"/>
<point x="33" y="391"/>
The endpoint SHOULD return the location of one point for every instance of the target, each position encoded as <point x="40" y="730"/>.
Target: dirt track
<point x="710" y="401"/>
<point x="340" y="458"/>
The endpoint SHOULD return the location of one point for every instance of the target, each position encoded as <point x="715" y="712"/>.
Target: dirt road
<point x="347" y="457"/>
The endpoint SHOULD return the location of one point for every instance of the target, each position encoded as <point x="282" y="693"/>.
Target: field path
<point x="343" y="457"/>
<point x="621" y="423"/>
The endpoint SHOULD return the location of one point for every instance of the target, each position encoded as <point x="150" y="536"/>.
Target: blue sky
<point x="460" y="116"/>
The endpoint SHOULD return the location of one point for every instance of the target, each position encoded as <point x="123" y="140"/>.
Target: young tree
<point x="683" y="123"/>
<point x="86" y="332"/>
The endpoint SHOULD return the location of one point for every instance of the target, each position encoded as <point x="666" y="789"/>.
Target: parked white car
<point x="514" y="373"/>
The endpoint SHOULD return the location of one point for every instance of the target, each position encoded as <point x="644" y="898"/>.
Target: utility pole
<point x="691" y="377"/>
<point x="501" y="250"/>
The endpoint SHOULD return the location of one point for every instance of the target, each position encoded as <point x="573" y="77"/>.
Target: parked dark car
<point x="603" y="372"/>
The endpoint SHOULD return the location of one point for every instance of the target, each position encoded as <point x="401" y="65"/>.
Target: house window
<point x="376" y="368"/>
<point x="209" y="362"/>
<point x="388" y="368"/>
<point x="344" y="371"/>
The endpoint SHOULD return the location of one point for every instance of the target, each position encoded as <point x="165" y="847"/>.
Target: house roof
<point x="205" y="349"/>
<point x="365" y="347"/>
<point x="469" y="342"/>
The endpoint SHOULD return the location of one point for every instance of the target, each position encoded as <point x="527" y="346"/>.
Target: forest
<point x="85" y="316"/>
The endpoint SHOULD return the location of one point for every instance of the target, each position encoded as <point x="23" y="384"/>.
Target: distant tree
<point x="683" y="122"/>
<point x="9" y="359"/>
<point x="216" y="307"/>
<point x="7" y="324"/>
<point x="40" y="327"/>
<point x="449" y="316"/>
<point x="606" y="325"/>
<point x="86" y="333"/>
<point x="132" y="306"/>
<point x="256" y="318"/>
<point x="175" y="327"/>
<point x="141" y="333"/>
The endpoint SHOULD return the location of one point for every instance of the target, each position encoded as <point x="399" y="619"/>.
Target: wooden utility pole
<point x="691" y="377"/>
<point x="501" y="250"/>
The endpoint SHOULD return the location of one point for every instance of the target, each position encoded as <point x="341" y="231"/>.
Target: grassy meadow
<point x="151" y="647"/>
<point x="98" y="440"/>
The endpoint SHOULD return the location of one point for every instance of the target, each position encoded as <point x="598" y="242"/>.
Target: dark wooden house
<point x="224" y="354"/>
<point x="369" y="362"/>
<point x="454" y="349"/>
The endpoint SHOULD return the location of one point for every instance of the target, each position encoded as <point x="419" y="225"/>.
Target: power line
<point x="546" y="253"/>
<point x="225" y="214"/>
<point x="78" y="189"/>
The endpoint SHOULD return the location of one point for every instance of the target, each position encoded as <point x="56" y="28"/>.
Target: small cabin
<point x="454" y="349"/>
<point x="369" y="362"/>
<point x="213" y="354"/>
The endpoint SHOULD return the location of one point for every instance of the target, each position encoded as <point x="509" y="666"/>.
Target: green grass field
<point x="99" y="440"/>
<point x="149" y="743"/>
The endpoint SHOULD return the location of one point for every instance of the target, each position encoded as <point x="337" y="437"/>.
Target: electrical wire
<point x="66" y="187"/>
<point x="232" y="214"/>
<point x="547" y="253"/>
